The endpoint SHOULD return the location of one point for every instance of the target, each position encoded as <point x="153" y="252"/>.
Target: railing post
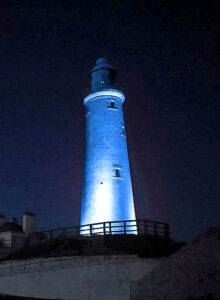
<point x="104" y="231"/>
<point x="125" y="227"/>
<point x="90" y="228"/>
<point x="155" y="228"/>
<point x="77" y="230"/>
<point x="41" y="263"/>
<point x="110" y="228"/>
<point x="60" y="261"/>
<point x="137" y="226"/>
<point x="145" y="227"/>
<point x="11" y="265"/>
<point x="166" y="231"/>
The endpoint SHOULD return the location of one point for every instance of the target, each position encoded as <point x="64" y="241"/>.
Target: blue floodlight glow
<point x="106" y="186"/>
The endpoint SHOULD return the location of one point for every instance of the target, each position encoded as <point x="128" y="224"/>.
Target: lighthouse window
<point x="117" y="172"/>
<point x="112" y="105"/>
<point x="123" y="131"/>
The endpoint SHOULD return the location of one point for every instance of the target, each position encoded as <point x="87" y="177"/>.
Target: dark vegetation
<point x="1" y="243"/>
<point x="54" y="247"/>
<point x="144" y="246"/>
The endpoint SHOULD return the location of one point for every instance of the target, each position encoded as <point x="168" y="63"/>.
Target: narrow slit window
<point x="123" y="131"/>
<point x="117" y="173"/>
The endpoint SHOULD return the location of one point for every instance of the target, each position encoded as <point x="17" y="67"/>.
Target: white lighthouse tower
<point x="106" y="184"/>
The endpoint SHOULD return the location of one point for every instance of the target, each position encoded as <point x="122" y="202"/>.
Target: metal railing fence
<point x="13" y="265"/>
<point x="45" y="263"/>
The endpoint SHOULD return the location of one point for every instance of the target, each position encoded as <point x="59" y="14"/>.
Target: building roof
<point x="11" y="226"/>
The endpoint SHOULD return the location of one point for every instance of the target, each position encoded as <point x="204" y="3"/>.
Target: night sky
<point x="167" y="57"/>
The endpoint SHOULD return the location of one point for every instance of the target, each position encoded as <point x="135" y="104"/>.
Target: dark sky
<point x="167" y="56"/>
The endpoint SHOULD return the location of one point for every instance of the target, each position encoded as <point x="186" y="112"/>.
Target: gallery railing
<point x="138" y="227"/>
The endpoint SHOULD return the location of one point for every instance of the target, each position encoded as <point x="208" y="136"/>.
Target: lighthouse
<point x="106" y="182"/>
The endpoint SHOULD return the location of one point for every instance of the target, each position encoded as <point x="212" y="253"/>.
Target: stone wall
<point x="78" y="278"/>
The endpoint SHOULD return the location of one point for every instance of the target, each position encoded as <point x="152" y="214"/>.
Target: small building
<point x="14" y="235"/>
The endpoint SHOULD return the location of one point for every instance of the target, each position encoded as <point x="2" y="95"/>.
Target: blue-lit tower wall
<point x="106" y="184"/>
